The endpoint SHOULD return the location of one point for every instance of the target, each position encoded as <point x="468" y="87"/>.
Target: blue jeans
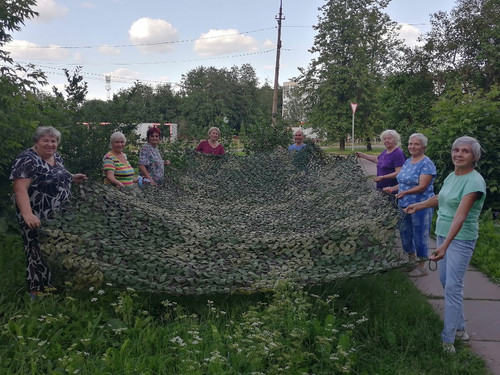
<point x="415" y="230"/>
<point x="451" y="273"/>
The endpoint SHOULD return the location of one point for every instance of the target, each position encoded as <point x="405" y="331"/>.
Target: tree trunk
<point x="368" y="144"/>
<point x="342" y="144"/>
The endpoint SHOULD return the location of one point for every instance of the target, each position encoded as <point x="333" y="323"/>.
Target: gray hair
<point x="299" y="130"/>
<point x="423" y="138"/>
<point x="393" y="133"/>
<point x="212" y="129"/>
<point x="46" y="130"/>
<point x="115" y="136"/>
<point x="472" y="143"/>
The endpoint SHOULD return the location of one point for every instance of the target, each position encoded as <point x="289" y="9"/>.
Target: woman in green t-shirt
<point x="460" y="201"/>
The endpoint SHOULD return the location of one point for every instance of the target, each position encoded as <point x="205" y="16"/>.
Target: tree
<point x="210" y="95"/>
<point x="294" y="111"/>
<point x="17" y="101"/>
<point x="265" y="95"/>
<point x="76" y="89"/>
<point x="463" y="45"/>
<point x="407" y="95"/>
<point x="355" y="44"/>
<point x="12" y="17"/>
<point x="477" y="115"/>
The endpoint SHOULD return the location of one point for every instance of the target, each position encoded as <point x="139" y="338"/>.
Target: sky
<point x="159" y="41"/>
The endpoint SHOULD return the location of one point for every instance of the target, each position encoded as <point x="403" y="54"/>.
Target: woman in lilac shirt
<point x="389" y="162"/>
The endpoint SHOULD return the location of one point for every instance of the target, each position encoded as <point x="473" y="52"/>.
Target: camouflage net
<point x="228" y="224"/>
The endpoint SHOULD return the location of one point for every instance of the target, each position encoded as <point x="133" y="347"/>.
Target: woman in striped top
<point x="116" y="168"/>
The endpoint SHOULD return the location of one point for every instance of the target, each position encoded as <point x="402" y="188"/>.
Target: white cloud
<point x="269" y="44"/>
<point x="410" y="34"/>
<point x="221" y="42"/>
<point x="109" y="50"/>
<point x="123" y="74"/>
<point x="79" y="57"/>
<point x="49" y="10"/>
<point x="59" y="86"/>
<point x="22" y="49"/>
<point x="150" y="31"/>
<point x="88" y="5"/>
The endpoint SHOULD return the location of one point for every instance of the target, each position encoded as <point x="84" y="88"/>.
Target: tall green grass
<point x="371" y="325"/>
<point x="487" y="252"/>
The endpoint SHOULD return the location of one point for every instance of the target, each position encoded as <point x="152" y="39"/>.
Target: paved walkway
<point x="481" y="303"/>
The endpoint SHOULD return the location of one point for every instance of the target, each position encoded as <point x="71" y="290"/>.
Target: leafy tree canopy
<point x="355" y="44"/>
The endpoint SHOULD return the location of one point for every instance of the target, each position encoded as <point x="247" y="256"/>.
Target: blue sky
<point x="160" y="40"/>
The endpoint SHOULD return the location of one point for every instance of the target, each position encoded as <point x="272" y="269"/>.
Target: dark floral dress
<point x="49" y="190"/>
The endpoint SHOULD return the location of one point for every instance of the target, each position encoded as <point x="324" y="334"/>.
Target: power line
<point x="100" y="76"/>
<point x="145" y="44"/>
<point x="154" y="62"/>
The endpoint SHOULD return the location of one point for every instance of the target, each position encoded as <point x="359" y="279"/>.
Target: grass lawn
<point x="377" y="324"/>
<point x="335" y="149"/>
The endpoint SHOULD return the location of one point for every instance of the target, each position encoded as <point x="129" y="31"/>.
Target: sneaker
<point x="418" y="272"/>
<point x="462" y="335"/>
<point x="449" y="348"/>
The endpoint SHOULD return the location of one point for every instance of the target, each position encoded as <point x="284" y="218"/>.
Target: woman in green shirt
<point x="460" y="201"/>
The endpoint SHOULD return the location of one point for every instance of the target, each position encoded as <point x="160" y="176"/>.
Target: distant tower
<point x="108" y="86"/>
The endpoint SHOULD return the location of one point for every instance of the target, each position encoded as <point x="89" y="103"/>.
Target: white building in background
<point x="168" y="130"/>
<point x="288" y="101"/>
<point x="287" y="87"/>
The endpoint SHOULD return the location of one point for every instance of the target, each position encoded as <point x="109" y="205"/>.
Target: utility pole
<point x="279" y="18"/>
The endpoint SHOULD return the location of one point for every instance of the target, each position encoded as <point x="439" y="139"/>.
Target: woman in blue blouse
<point x="415" y="184"/>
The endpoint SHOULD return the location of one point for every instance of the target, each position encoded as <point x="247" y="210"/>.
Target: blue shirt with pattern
<point x="409" y="177"/>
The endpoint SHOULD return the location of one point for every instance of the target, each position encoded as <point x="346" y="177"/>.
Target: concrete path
<point x="481" y="303"/>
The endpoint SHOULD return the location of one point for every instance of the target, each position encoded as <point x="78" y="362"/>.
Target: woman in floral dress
<point x="41" y="187"/>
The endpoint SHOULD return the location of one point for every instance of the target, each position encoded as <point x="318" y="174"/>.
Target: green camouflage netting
<point x="228" y="224"/>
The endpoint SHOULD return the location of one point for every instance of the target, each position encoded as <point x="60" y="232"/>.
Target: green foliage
<point x="401" y="335"/>
<point x="109" y="331"/>
<point x="17" y="123"/>
<point x="141" y="103"/>
<point x="176" y="152"/>
<point x="76" y="89"/>
<point x="13" y="14"/>
<point x="210" y="95"/>
<point x="83" y="146"/>
<point x="462" y="46"/>
<point x="262" y="136"/>
<point x="486" y="254"/>
<point x="474" y="114"/>
<point x="335" y="328"/>
<point x="407" y="99"/>
<point x="355" y="43"/>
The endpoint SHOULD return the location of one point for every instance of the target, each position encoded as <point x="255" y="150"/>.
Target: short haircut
<point x="115" y="136"/>
<point x="152" y="131"/>
<point x="299" y="131"/>
<point x="46" y="130"/>
<point x="423" y="138"/>
<point x="393" y="133"/>
<point x="469" y="141"/>
<point x="212" y="129"/>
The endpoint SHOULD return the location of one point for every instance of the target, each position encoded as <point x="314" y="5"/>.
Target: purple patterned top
<point x="150" y="157"/>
